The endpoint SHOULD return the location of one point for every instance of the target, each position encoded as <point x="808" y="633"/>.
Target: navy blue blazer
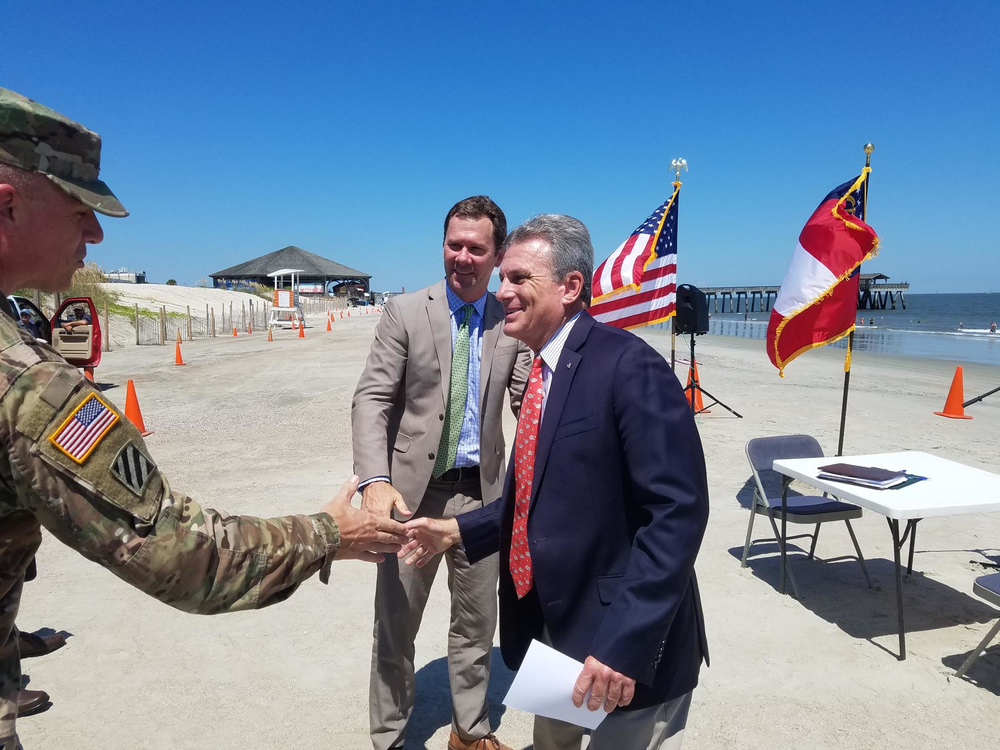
<point x="618" y="510"/>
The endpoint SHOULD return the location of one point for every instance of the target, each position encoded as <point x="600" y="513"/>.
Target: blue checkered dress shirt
<point x="468" y="438"/>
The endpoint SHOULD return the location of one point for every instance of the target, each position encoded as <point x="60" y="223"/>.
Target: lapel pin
<point x="569" y="365"/>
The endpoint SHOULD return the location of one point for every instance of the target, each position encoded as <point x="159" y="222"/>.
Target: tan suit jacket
<point x="399" y="405"/>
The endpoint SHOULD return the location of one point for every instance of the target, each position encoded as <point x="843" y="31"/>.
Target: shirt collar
<point x="552" y="350"/>
<point x="456" y="303"/>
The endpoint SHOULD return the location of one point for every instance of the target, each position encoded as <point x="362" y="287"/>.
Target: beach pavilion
<point x="317" y="275"/>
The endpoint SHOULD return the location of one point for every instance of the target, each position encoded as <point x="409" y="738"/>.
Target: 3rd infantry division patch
<point x="132" y="468"/>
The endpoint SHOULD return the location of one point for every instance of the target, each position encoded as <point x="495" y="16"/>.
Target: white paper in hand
<point x="544" y="686"/>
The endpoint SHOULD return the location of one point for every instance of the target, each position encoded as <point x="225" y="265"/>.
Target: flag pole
<point x="677" y="165"/>
<point x="850" y="337"/>
<point x="673" y="342"/>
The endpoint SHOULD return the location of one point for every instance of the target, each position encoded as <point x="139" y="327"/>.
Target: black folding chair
<point x="802" y="509"/>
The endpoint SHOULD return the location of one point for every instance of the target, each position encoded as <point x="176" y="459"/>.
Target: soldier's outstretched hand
<point x="363" y="535"/>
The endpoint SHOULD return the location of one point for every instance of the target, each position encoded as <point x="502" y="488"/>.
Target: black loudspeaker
<point x="692" y="310"/>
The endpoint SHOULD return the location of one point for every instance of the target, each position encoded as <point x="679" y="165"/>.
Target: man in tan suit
<point x="426" y="423"/>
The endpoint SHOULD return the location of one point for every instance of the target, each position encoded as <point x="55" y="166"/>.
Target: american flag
<point x="84" y="428"/>
<point x="636" y="286"/>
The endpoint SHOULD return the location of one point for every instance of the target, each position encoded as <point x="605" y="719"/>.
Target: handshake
<point x="370" y="533"/>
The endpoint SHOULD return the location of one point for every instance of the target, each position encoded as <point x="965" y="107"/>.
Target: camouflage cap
<point x="38" y="139"/>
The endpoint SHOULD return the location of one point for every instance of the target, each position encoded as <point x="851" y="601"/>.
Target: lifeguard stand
<point x="286" y="309"/>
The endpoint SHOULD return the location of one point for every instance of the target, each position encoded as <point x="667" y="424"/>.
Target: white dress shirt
<point x="550" y="354"/>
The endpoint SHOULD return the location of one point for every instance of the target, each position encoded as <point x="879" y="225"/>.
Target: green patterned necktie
<point x="458" y="390"/>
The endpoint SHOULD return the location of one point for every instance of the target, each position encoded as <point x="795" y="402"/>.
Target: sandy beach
<point x="263" y="429"/>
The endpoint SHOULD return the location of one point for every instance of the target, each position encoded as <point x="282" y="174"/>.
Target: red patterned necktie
<point x="524" y="469"/>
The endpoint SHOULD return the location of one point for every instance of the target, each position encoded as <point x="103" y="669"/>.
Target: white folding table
<point x="950" y="489"/>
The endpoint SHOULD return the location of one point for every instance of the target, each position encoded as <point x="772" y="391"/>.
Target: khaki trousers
<point x="400" y="596"/>
<point x="656" y="728"/>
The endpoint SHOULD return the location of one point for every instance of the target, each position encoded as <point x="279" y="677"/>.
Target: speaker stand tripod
<point x="694" y="386"/>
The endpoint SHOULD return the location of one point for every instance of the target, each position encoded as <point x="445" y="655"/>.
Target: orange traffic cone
<point x="295" y="323"/>
<point x="132" y="412"/>
<point x="269" y="336"/>
<point x="694" y="393"/>
<point x="953" y="405"/>
<point x="234" y="332"/>
<point x="328" y="326"/>
<point x="177" y="354"/>
<point x="178" y="335"/>
<point x="88" y="373"/>
<point x="341" y="314"/>
<point x="302" y="330"/>
<point x="249" y="328"/>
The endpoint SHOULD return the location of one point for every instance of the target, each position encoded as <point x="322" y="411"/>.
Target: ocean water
<point x="952" y="327"/>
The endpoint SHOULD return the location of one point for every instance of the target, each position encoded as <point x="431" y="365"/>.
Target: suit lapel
<point x="492" y="323"/>
<point x="555" y="402"/>
<point x="438" y="318"/>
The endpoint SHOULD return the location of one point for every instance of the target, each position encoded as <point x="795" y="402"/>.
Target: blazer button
<point x="440" y="417"/>
<point x="430" y="456"/>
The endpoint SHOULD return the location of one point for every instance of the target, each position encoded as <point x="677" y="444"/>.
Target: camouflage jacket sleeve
<point x="85" y="472"/>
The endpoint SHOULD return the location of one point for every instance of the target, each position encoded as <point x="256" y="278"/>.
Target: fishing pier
<point x="874" y="293"/>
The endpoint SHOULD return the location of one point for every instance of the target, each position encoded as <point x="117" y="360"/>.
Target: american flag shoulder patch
<point x="132" y="468"/>
<point x="84" y="428"/>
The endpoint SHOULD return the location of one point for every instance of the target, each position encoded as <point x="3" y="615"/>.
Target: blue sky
<point x="233" y="129"/>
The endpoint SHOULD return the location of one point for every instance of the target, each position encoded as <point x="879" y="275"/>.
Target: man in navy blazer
<point x="604" y="506"/>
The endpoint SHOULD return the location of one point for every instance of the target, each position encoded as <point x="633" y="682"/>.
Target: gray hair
<point x="570" y="243"/>
<point x="22" y="179"/>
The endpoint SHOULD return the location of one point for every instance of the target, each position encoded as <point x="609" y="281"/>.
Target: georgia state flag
<point x="818" y="299"/>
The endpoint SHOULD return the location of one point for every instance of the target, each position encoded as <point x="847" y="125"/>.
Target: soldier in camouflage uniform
<point x="71" y="463"/>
